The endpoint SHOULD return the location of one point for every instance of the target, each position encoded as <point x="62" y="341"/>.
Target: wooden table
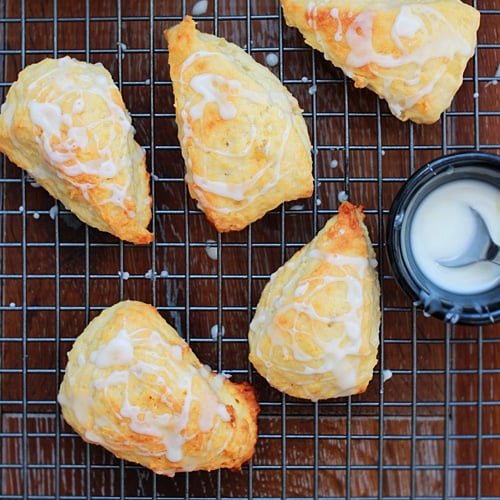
<point x="430" y="431"/>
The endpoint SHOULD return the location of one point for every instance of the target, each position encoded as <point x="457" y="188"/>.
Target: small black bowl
<point x="472" y="309"/>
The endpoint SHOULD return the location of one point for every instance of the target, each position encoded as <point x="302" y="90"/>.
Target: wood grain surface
<point x="430" y="431"/>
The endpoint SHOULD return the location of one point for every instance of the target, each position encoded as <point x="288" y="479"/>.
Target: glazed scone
<point x="243" y="137"/>
<point x="64" y="122"/>
<point x="315" y="332"/>
<point x="134" y="386"/>
<point x="411" y="53"/>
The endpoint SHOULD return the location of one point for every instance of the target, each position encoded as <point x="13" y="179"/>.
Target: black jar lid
<point x="473" y="309"/>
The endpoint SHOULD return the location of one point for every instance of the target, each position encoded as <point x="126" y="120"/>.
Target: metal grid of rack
<point x="429" y="424"/>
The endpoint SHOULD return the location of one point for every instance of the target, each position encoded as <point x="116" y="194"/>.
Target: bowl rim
<point x="433" y="300"/>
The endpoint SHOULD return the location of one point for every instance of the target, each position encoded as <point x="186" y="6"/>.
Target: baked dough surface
<point x="243" y="137"/>
<point x="412" y="54"/>
<point x="64" y="122"/>
<point x="134" y="386"/>
<point x="315" y="332"/>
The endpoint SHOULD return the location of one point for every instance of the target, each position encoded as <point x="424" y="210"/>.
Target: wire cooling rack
<point x="428" y="425"/>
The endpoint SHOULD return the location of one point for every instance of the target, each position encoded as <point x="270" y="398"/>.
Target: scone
<point x="65" y="123"/>
<point x="411" y="53"/>
<point x="243" y="137"/>
<point x="314" y="334"/>
<point x="135" y="387"/>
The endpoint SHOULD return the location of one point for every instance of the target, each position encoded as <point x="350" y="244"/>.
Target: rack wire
<point x="428" y="426"/>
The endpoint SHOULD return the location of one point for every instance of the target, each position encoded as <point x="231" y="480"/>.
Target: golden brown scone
<point x="135" y="387"/>
<point x="411" y="53"/>
<point x="65" y="123"/>
<point x="244" y="140"/>
<point x="315" y="330"/>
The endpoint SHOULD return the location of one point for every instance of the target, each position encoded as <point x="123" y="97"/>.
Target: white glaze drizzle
<point x="311" y="16"/>
<point x="335" y="14"/>
<point x="61" y="142"/>
<point x="119" y="351"/>
<point x="340" y="354"/>
<point x="414" y="55"/>
<point x="214" y="88"/>
<point x="118" y="363"/>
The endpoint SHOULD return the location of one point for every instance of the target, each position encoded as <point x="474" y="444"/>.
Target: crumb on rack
<point x="494" y="80"/>
<point x="272" y="59"/>
<point x="53" y="211"/>
<point x="200" y="8"/>
<point x="211" y="249"/>
<point x="342" y="196"/>
<point x="216" y="332"/>
<point x="122" y="48"/>
<point x="386" y="375"/>
<point x="124" y="275"/>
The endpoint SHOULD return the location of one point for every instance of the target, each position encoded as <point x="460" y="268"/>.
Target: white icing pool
<point x="443" y="227"/>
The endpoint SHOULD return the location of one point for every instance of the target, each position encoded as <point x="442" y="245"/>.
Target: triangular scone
<point x="133" y="386"/>
<point x="315" y="330"/>
<point x="65" y="123"/>
<point x="411" y="53"/>
<point x="243" y="137"/>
